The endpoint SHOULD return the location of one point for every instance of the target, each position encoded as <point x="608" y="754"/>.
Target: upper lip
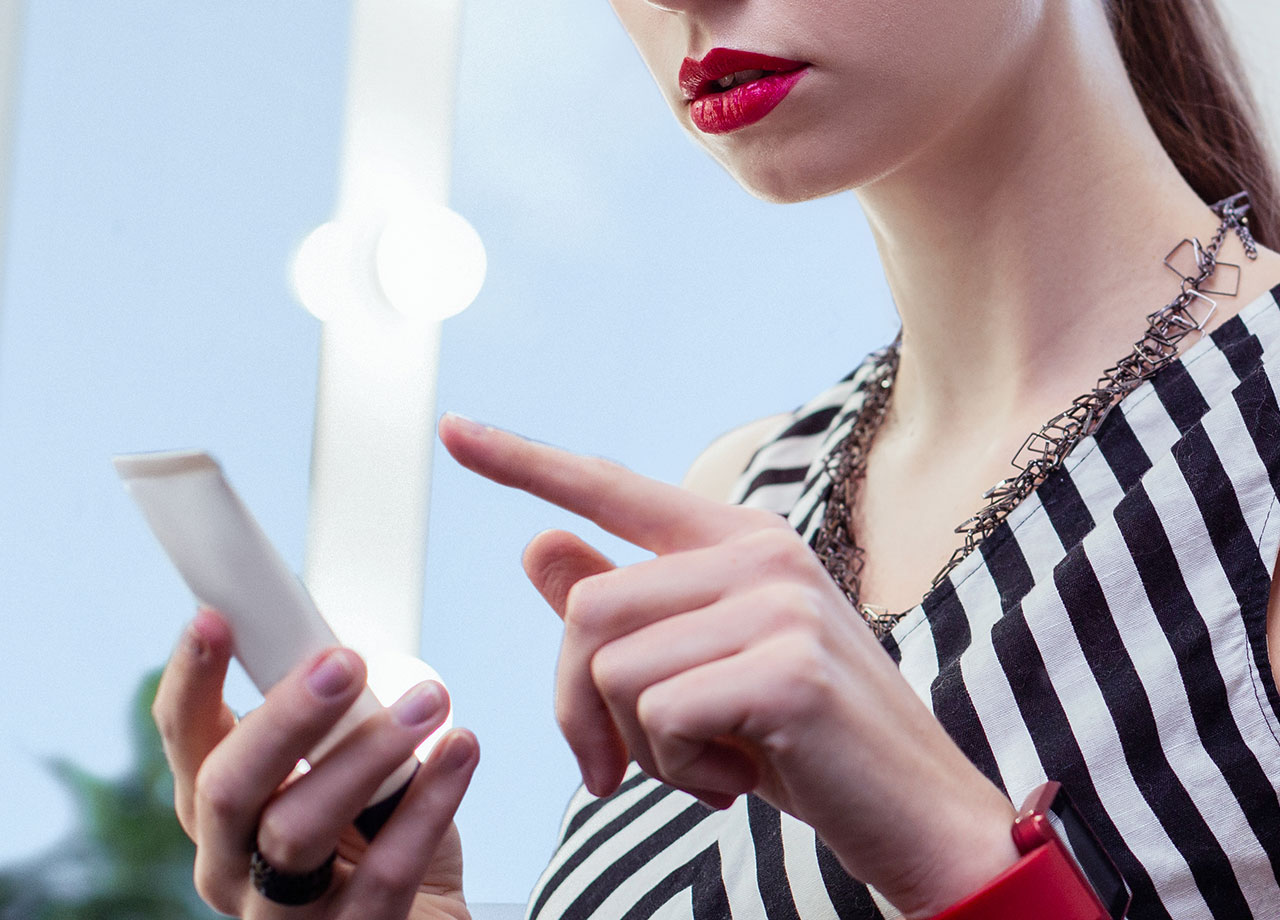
<point x="697" y="77"/>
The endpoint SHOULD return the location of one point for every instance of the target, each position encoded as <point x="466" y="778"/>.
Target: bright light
<point x="391" y="674"/>
<point x="327" y="273"/>
<point x="430" y="266"/>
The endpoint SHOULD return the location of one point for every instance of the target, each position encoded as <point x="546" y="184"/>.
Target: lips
<point x="730" y="89"/>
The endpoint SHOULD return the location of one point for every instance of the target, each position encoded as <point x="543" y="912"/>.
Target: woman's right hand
<point x="235" y="787"/>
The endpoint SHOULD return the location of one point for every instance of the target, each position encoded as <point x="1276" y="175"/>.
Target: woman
<point x="1105" y="626"/>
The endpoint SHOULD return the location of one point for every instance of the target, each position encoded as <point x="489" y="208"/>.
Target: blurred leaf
<point x="127" y="858"/>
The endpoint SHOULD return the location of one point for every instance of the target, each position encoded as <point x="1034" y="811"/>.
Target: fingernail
<point x="196" y="638"/>
<point x="718" y="800"/>
<point x="193" y="642"/>
<point x="456" y="753"/>
<point x="588" y="779"/>
<point x="332" y="674"/>
<point x="462" y="423"/>
<point x="419" y="705"/>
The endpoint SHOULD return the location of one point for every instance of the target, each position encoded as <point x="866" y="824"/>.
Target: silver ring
<point x="290" y="888"/>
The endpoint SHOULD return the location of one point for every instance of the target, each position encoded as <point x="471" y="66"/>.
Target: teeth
<point x="742" y="76"/>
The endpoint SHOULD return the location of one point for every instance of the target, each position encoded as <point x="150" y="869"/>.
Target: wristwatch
<point x="1064" y="873"/>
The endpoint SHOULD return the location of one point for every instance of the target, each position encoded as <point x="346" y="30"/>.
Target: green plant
<point x="127" y="857"/>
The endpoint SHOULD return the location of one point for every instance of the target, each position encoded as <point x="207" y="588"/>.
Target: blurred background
<point x="164" y="162"/>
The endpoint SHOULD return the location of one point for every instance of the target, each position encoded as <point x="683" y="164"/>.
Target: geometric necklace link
<point x="1044" y="450"/>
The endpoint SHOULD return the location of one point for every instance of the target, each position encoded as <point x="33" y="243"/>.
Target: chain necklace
<point x="1045" y="449"/>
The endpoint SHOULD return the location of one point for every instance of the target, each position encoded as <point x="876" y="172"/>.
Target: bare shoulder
<point x="714" y="472"/>
<point x="1273" y="624"/>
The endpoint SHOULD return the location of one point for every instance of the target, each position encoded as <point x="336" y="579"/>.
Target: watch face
<point x="1079" y="841"/>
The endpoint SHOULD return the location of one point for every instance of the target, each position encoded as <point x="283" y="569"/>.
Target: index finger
<point x="654" y="515"/>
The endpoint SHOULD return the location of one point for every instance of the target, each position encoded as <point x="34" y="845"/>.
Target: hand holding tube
<point x="236" y="789"/>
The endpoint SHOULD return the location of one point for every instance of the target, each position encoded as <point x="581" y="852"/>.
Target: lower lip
<point x="720" y="113"/>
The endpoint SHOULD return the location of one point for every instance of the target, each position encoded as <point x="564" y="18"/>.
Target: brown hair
<point x="1188" y="77"/>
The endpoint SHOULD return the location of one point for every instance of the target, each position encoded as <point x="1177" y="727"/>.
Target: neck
<point x="1024" y="248"/>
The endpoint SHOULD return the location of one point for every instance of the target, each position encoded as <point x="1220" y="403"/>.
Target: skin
<point x="237" y="781"/>
<point x="1014" y="191"/>
<point x="731" y="663"/>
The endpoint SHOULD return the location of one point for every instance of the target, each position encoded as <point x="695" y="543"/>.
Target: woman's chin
<point x="794" y="171"/>
<point x="782" y="183"/>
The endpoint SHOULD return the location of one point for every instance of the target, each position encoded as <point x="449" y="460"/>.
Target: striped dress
<point x="1110" y="635"/>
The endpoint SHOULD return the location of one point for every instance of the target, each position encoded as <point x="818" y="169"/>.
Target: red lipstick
<point x="730" y="89"/>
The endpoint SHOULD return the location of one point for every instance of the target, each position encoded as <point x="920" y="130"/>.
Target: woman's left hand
<point x="732" y="663"/>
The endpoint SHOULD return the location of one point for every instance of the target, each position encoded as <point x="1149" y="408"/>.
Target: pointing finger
<point x="654" y="515"/>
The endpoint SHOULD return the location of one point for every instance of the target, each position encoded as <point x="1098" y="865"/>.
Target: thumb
<point x="556" y="560"/>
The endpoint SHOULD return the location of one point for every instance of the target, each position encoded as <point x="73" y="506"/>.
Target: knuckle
<point x="216" y="795"/>
<point x="804" y="652"/>
<point x="285" y="842"/>
<point x="163" y="716"/>
<point x="608" y="678"/>
<point x="212" y="890"/>
<point x="584" y="608"/>
<point x="656" y="713"/>
<point x="786" y="607"/>
<point x="388" y="874"/>
<point x="778" y="550"/>
<point x="800" y="607"/>
<point x="806" y="669"/>
<point x="763" y="520"/>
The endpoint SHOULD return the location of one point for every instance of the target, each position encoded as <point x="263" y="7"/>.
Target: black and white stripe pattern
<point x="1110" y="635"/>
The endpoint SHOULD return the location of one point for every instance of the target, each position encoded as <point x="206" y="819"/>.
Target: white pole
<point x="370" y="476"/>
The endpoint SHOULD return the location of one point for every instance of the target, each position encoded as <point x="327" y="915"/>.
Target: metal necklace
<point x="1045" y="449"/>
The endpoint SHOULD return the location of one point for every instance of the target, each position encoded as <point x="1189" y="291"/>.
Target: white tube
<point x="231" y="566"/>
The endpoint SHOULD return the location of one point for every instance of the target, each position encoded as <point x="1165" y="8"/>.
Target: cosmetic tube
<point x="230" y="565"/>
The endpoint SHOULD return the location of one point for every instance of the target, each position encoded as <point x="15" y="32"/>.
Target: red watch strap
<point x="1044" y="884"/>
